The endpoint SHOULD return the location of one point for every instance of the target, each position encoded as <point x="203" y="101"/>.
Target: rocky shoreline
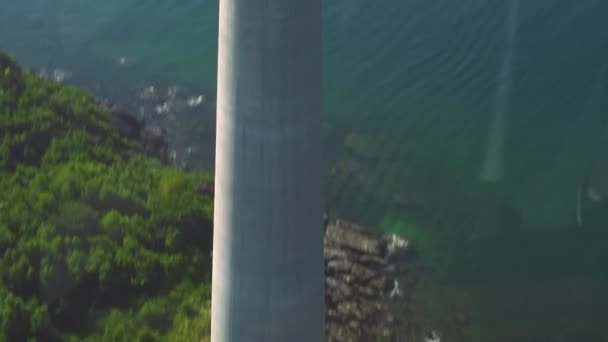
<point x="153" y="139"/>
<point x="364" y="297"/>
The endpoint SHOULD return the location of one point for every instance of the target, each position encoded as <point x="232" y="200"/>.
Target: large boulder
<point x="353" y="237"/>
<point x="153" y="139"/>
<point x="123" y="122"/>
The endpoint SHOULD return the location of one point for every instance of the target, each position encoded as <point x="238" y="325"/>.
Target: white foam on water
<point x="432" y="337"/>
<point x="396" y="290"/>
<point x="492" y="169"/>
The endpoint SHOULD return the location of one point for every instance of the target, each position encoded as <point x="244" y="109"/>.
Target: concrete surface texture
<point x="268" y="280"/>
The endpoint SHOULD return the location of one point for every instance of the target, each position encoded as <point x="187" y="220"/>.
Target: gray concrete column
<point x="268" y="277"/>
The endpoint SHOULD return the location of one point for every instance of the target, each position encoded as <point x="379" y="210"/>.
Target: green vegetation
<point x="97" y="240"/>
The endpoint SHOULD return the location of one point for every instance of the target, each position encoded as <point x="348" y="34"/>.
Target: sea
<point x="469" y="127"/>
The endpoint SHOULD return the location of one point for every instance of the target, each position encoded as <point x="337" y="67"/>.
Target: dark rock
<point x="124" y="123"/>
<point x="206" y="189"/>
<point x="389" y="268"/>
<point x="360" y="274"/>
<point x="338" y="291"/>
<point x="370" y="308"/>
<point x="354" y="324"/>
<point x="373" y="260"/>
<point x="334" y="253"/>
<point x="349" y="310"/>
<point x="331" y="282"/>
<point x="349" y="235"/>
<point x="153" y="139"/>
<point x="339" y="266"/>
<point x="380" y="283"/>
<point x="368" y="292"/>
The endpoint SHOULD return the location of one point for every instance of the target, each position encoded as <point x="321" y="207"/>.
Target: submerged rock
<point x="361" y="145"/>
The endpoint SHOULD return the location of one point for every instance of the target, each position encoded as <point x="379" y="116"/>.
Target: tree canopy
<point x="97" y="240"/>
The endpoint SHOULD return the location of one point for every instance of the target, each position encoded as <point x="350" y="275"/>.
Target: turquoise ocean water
<point x="423" y="101"/>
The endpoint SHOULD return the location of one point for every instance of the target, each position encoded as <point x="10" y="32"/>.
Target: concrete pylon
<point x="268" y="272"/>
